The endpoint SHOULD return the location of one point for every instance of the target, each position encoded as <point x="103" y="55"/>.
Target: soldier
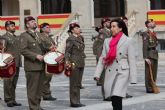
<point x="74" y="54"/>
<point x="150" y="53"/>
<point x="125" y="19"/>
<point x="12" y="46"/>
<point x="33" y="51"/>
<point x="49" y="45"/>
<point x="98" y="43"/>
<point x="105" y="22"/>
<point x="104" y="33"/>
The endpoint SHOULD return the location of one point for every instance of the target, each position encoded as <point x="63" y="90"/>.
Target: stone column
<point x="21" y="12"/>
<point x="86" y="10"/>
<point x="39" y="7"/>
<point x="33" y="5"/>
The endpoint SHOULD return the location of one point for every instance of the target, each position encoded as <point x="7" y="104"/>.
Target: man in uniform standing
<point x="12" y="46"/>
<point x="49" y="45"/>
<point x="33" y="51"/>
<point x="150" y="54"/>
<point x="103" y="33"/>
<point x="105" y="22"/>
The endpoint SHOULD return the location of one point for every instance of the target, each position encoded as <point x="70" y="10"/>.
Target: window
<point x="55" y="6"/>
<point x="157" y="4"/>
<point x="109" y="8"/>
<point x="161" y="45"/>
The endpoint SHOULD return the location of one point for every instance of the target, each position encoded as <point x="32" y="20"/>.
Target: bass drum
<point x="54" y="62"/>
<point x="7" y="65"/>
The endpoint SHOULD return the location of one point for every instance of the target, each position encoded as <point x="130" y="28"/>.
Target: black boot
<point x="117" y="102"/>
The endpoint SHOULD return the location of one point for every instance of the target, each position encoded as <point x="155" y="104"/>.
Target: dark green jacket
<point x="149" y="46"/>
<point x="47" y="41"/>
<point x="31" y="46"/>
<point x="74" y="52"/>
<point x="13" y="46"/>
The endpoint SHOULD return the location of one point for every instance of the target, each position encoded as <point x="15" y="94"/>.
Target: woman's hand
<point x="96" y="78"/>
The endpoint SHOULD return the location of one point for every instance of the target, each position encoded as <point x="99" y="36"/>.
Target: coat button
<point x="120" y="53"/>
<point x="116" y="61"/>
<point x="116" y="69"/>
<point x="109" y="70"/>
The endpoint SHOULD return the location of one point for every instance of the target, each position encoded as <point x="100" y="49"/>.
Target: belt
<point x="153" y="48"/>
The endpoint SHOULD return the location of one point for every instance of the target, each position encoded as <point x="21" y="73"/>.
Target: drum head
<point x="50" y="57"/>
<point x="3" y="57"/>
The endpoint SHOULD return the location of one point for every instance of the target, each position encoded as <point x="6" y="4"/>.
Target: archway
<point x="157" y="4"/>
<point x="55" y="6"/>
<point x="109" y="8"/>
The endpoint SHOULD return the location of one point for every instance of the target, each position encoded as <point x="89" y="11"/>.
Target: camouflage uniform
<point x="150" y="52"/>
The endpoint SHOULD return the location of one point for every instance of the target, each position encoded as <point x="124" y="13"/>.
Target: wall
<point x="141" y="6"/>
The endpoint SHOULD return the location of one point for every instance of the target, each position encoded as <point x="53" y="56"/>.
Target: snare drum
<point x="7" y="65"/>
<point x="54" y="62"/>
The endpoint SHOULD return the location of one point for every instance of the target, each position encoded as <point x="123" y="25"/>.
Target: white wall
<point x="85" y="9"/>
<point x="142" y="6"/>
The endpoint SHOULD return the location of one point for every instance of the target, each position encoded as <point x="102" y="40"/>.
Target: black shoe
<point x="128" y="96"/>
<point x="149" y="91"/>
<point x="81" y="87"/>
<point x="98" y="84"/>
<point x="50" y="98"/>
<point x="107" y="99"/>
<point x="10" y="104"/>
<point x="16" y="104"/>
<point x="77" y="105"/>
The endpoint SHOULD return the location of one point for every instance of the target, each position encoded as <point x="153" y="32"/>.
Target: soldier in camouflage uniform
<point x="150" y="53"/>
<point x="12" y="46"/>
<point x="104" y="33"/>
<point x="49" y="45"/>
<point x="74" y="53"/>
<point x="33" y="51"/>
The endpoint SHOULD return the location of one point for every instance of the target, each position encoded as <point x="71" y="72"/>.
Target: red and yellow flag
<point x="15" y="19"/>
<point x="157" y="15"/>
<point x="55" y="20"/>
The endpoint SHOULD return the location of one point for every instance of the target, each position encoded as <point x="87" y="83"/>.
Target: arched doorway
<point x="157" y="4"/>
<point x="55" y="6"/>
<point x="109" y="8"/>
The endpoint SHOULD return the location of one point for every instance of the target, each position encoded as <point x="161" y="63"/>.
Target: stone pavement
<point x="91" y="95"/>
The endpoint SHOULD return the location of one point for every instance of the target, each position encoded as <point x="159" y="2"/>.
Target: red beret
<point x="27" y="19"/>
<point x="72" y="26"/>
<point x="7" y="23"/>
<point x="103" y="20"/>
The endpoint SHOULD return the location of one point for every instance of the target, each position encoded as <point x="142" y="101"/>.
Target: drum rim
<point x="48" y="53"/>
<point x="9" y="54"/>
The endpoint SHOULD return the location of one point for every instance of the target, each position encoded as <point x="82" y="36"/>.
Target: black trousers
<point x="116" y="102"/>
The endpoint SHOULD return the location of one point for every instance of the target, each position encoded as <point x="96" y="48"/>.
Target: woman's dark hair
<point x="42" y="26"/>
<point x="121" y="24"/>
<point x="72" y="26"/>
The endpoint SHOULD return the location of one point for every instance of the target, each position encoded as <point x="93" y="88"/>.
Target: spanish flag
<point x="15" y="19"/>
<point x="55" y="20"/>
<point x="157" y="15"/>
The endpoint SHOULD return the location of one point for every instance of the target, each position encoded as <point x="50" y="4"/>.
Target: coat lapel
<point x="121" y="41"/>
